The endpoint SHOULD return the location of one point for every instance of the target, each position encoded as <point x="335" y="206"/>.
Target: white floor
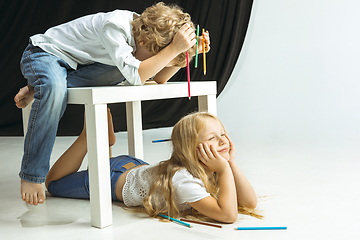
<point x="313" y="191"/>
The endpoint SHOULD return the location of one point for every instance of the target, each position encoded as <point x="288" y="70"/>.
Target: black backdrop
<point x="226" y="20"/>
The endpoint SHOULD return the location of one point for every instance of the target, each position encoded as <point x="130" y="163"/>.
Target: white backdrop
<point x="297" y="79"/>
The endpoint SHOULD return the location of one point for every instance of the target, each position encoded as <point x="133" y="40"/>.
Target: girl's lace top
<point x="187" y="188"/>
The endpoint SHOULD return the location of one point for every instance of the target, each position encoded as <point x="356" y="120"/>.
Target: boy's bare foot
<point x="32" y="193"/>
<point x="24" y="96"/>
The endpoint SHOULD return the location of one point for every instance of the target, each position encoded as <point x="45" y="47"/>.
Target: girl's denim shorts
<point x="76" y="185"/>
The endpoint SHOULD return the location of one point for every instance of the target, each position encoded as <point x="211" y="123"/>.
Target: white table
<point x="95" y="100"/>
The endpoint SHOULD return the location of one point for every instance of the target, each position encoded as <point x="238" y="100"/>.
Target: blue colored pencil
<point x="176" y="220"/>
<point x="261" y="228"/>
<point x="162" y="140"/>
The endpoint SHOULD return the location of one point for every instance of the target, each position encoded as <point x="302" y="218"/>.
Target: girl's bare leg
<point x="24" y="96"/>
<point x="111" y="132"/>
<point x="73" y="157"/>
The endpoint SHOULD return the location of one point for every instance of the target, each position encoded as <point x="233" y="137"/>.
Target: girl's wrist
<point x="232" y="162"/>
<point x="223" y="169"/>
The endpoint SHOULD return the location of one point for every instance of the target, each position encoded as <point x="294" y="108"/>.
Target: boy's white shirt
<point x="103" y="37"/>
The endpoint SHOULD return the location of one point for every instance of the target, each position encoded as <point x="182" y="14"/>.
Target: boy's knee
<point x="59" y="87"/>
<point x="53" y="91"/>
<point x="59" y="93"/>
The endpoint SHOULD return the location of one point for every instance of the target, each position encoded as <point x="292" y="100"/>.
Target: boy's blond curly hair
<point x="157" y="26"/>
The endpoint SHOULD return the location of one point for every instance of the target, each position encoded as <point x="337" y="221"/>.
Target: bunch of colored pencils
<point x="196" y="57"/>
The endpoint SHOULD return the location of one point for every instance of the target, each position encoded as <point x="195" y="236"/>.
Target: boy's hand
<point x="184" y="39"/>
<point x="207" y="42"/>
<point x="211" y="159"/>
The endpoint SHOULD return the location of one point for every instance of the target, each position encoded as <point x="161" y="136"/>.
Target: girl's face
<point x="214" y="134"/>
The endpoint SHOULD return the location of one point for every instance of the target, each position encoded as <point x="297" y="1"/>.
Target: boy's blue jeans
<point x="51" y="76"/>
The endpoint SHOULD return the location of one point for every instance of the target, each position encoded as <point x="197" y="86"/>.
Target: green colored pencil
<point x="197" y="45"/>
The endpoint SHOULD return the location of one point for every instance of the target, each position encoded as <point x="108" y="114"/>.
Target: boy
<point x="98" y="49"/>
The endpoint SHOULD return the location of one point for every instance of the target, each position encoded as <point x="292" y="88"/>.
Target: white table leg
<point x="99" y="166"/>
<point x="134" y="129"/>
<point x="207" y="103"/>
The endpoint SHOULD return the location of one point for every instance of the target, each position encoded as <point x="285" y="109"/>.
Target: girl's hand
<point x="184" y="38"/>
<point x="211" y="159"/>
<point x="207" y="42"/>
<point x="231" y="150"/>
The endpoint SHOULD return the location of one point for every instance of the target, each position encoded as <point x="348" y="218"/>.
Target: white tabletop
<point x="116" y="94"/>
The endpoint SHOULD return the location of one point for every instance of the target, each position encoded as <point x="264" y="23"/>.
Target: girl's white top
<point x="187" y="188"/>
<point x="103" y="37"/>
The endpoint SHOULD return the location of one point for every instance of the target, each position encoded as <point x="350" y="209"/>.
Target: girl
<point x="201" y="174"/>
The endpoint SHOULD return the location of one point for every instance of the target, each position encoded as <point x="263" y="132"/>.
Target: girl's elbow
<point x="230" y="217"/>
<point x="252" y="204"/>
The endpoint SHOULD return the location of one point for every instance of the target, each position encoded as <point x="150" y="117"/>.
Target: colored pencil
<point x="197" y="45"/>
<point x="202" y="223"/>
<point x="162" y="140"/>
<point x="261" y="228"/>
<point x="188" y="73"/>
<point x="176" y="220"/>
<point x="204" y="55"/>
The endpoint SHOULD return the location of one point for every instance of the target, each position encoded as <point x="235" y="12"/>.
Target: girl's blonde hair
<point x="157" y="26"/>
<point x="184" y="142"/>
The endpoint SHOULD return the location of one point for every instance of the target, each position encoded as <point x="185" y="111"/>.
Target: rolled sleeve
<point x="188" y="189"/>
<point x="114" y="39"/>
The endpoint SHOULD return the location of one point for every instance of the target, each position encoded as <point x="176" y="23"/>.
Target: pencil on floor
<point x="202" y="223"/>
<point x="161" y="140"/>
<point x="260" y="228"/>
<point x="176" y="220"/>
